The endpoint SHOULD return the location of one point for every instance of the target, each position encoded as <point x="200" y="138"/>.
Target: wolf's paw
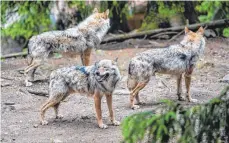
<point x="193" y="100"/>
<point x="134" y="107"/>
<point x="180" y="98"/>
<point x="27" y="83"/>
<point x="44" y="122"/>
<point x="140" y="103"/>
<point x="116" y="123"/>
<point x="103" y="126"/>
<point x="59" y="116"/>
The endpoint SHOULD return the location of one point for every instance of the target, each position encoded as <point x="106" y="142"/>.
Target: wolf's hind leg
<point x="56" y="109"/>
<point x="85" y="57"/>
<point x="131" y="84"/>
<point x="31" y="68"/>
<point x="31" y="74"/>
<point x="52" y="102"/>
<point x="138" y="99"/>
<point x="135" y="91"/>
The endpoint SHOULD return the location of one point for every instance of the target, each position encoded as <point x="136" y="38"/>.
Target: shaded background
<point x="21" y="20"/>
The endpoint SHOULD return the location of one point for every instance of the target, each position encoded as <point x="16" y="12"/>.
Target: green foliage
<point x="196" y="124"/>
<point x="226" y="32"/>
<point x="151" y="21"/>
<point x="211" y="10"/>
<point x="164" y="12"/>
<point x="169" y="9"/>
<point x="81" y="6"/>
<point x="34" y="18"/>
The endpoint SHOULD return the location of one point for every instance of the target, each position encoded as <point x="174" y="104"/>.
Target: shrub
<point x="202" y="123"/>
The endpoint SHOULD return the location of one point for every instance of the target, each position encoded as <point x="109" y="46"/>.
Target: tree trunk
<point x="118" y="19"/>
<point x="190" y="12"/>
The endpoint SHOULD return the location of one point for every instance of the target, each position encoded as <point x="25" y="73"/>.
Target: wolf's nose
<point x="97" y="73"/>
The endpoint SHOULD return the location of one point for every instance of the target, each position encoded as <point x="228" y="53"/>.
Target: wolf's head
<point x="95" y="20"/>
<point x="107" y="74"/>
<point x="103" y="15"/>
<point x="99" y="19"/>
<point x="192" y="38"/>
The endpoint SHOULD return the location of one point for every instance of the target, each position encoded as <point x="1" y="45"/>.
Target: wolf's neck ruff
<point x="106" y="85"/>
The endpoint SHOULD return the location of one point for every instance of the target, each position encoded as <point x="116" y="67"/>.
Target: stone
<point x="225" y="79"/>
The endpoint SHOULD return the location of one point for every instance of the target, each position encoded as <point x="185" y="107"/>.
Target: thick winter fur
<point x="99" y="79"/>
<point x="175" y="60"/>
<point x="80" y="39"/>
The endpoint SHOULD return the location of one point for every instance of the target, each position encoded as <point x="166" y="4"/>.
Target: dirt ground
<point x="20" y="109"/>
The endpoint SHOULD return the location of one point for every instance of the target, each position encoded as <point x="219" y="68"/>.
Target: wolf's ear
<point x="107" y="12"/>
<point x="186" y="30"/>
<point x="115" y="61"/>
<point x="95" y="10"/>
<point x="200" y="31"/>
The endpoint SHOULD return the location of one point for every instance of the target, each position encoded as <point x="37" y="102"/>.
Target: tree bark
<point x="118" y="19"/>
<point x="190" y="12"/>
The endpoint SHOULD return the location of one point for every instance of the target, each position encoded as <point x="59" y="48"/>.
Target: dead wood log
<point x="174" y="37"/>
<point x="122" y="37"/>
<point x="39" y="93"/>
<point x="14" y="55"/>
<point x="164" y="33"/>
<point x="7" y="78"/>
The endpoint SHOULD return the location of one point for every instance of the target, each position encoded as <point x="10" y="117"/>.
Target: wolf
<point x="95" y="81"/>
<point x="176" y="60"/>
<point x="80" y="39"/>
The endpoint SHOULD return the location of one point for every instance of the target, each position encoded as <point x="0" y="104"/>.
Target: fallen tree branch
<point x="174" y="37"/>
<point x="39" y="93"/>
<point x="6" y="84"/>
<point x="122" y="37"/>
<point x="14" y="55"/>
<point x="164" y="33"/>
<point x="7" y="78"/>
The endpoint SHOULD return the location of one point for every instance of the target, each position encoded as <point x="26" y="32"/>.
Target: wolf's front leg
<point x="97" y="100"/>
<point x="110" y="107"/>
<point x="187" y="84"/>
<point x="179" y="87"/>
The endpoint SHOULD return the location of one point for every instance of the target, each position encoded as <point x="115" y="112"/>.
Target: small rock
<point x="84" y="117"/>
<point x="225" y="79"/>
<point x="57" y="141"/>
<point x="209" y="33"/>
<point x="10" y="108"/>
<point x="124" y="78"/>
<point x="9" y="103"/>
<point x="121" y="92"/>
<point x="5" y="84"/>
<point x="35" y="125"/>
